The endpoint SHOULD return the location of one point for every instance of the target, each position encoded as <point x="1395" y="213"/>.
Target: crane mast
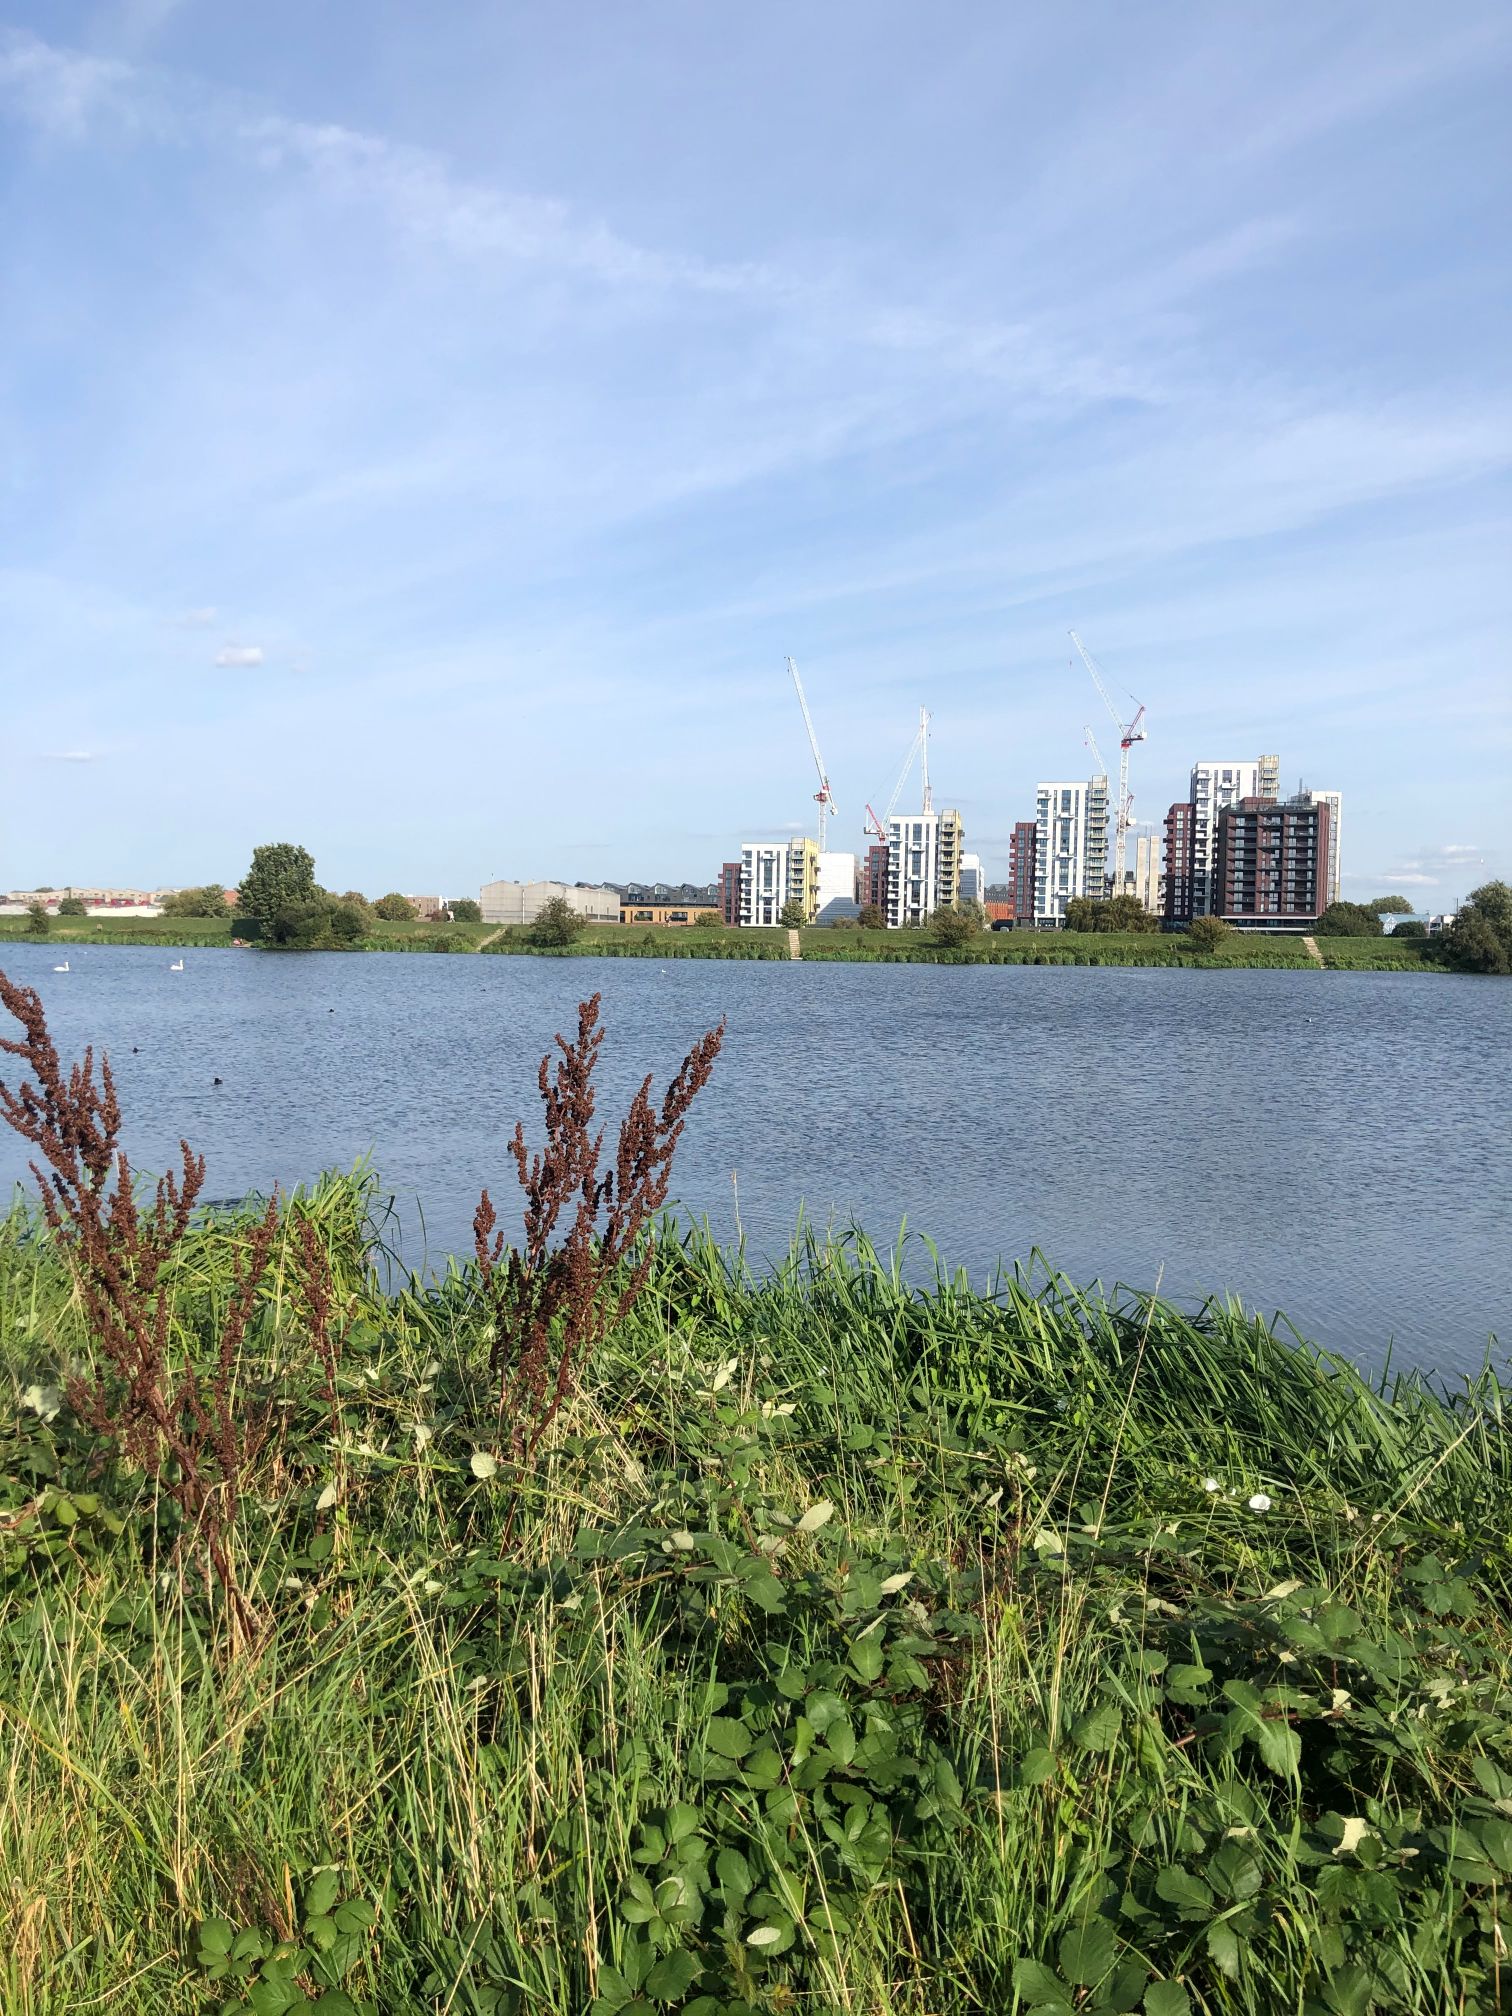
<point x="1129" y="732"/>
<point x="823" y="797"/>
<point x="878" y="827"/>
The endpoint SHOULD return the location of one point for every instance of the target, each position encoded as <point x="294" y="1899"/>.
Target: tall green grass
<point x="861" y="1647"/>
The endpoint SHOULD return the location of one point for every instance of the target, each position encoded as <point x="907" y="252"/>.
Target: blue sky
<point x="424" y="431"/>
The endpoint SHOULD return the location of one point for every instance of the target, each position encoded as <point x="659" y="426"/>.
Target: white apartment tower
<point x="1214" y="786"/>
<point x="763" y="881"/>
<point x="1071" y="852"/>
<point x="913" y="867"/>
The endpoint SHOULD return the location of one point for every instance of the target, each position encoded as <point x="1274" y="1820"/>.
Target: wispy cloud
<point x="239" y="655"/>
<point x="73" y="756"/>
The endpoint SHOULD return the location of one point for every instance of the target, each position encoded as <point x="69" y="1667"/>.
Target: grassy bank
<point x="851" y="1648"/>
<point x="819" y="944"/>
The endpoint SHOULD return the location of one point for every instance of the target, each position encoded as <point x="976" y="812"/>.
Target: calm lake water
<point x="1331" y="1145"/>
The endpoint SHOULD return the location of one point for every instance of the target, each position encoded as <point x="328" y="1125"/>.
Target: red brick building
<point x="874" y="877"/>
<point x="1273" y="862"/>
<point x="1180" y="841"/>
<point x="729" y="892"/>
<point x="1023" y="861"/>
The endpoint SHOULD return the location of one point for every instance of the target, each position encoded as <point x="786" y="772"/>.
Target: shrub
<point x="1206" y="934"/>
<point x="708" y="920"/>
<point x="871" y="918"/>
<point x="73" y="906"/>
<point x="793" y="916"/>
<point x="557" y="923"/>
<point x="1348" y="920"/>
<point x="37" y="918"/>
<point x="956" y="927"/>
<point x="208" y="901"/>
<point x="465" y="911"/>
<point x="395" y="909"/>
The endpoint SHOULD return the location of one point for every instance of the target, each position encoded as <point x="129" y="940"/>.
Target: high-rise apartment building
<point x="1021" y="856"/>
<point x="1270" y="778"/>
<point x="1176" y="905"/>
<point x="763" y="881"/>
<point x="1070" y="846"/>
<point x="913" y="866"/>
<point x="1214" y="786"/>
<point x="874" y="876"/>
<point x="952" y="842"/>
<point x="729" y="892"/>
<point x="803" y="876"/>
<point x="1271" y="866"/>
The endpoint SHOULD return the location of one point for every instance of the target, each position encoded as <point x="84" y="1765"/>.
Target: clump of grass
<point x="864" y="1647"/>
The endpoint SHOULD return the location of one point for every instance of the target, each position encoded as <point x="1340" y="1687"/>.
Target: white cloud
<point x="73" y="756"/>
<point x="239" y="655"/>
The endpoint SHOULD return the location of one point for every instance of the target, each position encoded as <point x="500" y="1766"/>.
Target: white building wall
<point x="1071" y="855"/>
<point x="523" y="902"/>
<point x="913" y="868"/>
<point x="1148" y="854"/>
<point x="763" y="881"/>
<point x="973" y="881"/>
<point x="1334" y="800"/>
<point x="1213" y="786"/>
<point x="837" y="888"/>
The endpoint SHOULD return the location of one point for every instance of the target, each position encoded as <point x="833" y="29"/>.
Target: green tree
<point x="871" y="918"/>
<point x="346" y="922"/>
<point x="73" y="906"/>
<point x="355" y="900"/>
<point x="1390" y="906"/>
<point x="556" y="923"/>
<point x="465" y="911"/>
<point x="395" y="909"/>
<point x="1125" y="912"/>
<point x="793" y="916"/>
<point x="1081" y="914"/>
<point x="1480" y="938"/>
<point x="281" y="877"/>
<point x="708" y="920"/>
<point x="1348" y="920"/>
<point x="37" y="918"/>
<point x="1206" y="934"/>
<point x="1414" y="927"/>
<point x="955" y="927"/>
<point x="209" y="901"/>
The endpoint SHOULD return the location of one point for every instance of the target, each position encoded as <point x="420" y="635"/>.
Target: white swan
<point x="177" y="966"/>
<point x="61" y="969"/>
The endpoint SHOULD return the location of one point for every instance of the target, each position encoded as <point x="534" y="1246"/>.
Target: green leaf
<point x="1223" y="1947"/>
<point x="321" y="1893"/>
<point x="1179" y="1886"/>
<point x="1098" y="1728"/>
<point x="734" y="1873"/>
<point x="1036" y="1983"/>
<point x="1036" y="1767"/>
<point x="1087" y="1953"/>
<point x="681" y="1822"/>
<point x="672" y="1976"/>
<point x="726" y="1737"/>
<point x="215" y="1936"/>
<point x="868" y="1658"/>
<point x="1167" y="1998"/>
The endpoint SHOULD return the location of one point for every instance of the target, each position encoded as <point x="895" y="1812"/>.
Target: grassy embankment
<point x="854" y="1649"/>
<point x="629" y="941"/>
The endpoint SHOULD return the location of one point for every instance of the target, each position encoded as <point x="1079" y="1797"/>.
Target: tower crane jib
<point x="824" y="797"/>
<point x="1129" y="732"/>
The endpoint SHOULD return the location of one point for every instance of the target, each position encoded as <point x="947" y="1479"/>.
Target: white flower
<point x="1210" y="1485"/>
<point x="1259" y="1502"/>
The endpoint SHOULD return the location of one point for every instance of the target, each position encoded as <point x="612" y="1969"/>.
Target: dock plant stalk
<point x="182" y="1424"/>
<point x="552" y="1299"/>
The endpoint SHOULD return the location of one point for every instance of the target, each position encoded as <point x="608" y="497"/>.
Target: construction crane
<point x="1129" y="732"/>
<point x="824" y="797"/>
<point x="877" y="828"/>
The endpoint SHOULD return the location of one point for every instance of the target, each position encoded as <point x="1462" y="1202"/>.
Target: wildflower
<point x="1210" y="1485"/>
<point x="1259" y="1502"/>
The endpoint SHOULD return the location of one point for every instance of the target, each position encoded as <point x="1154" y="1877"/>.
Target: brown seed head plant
<point x="553" y="1298"/>
<point x="181" y="1423"/>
